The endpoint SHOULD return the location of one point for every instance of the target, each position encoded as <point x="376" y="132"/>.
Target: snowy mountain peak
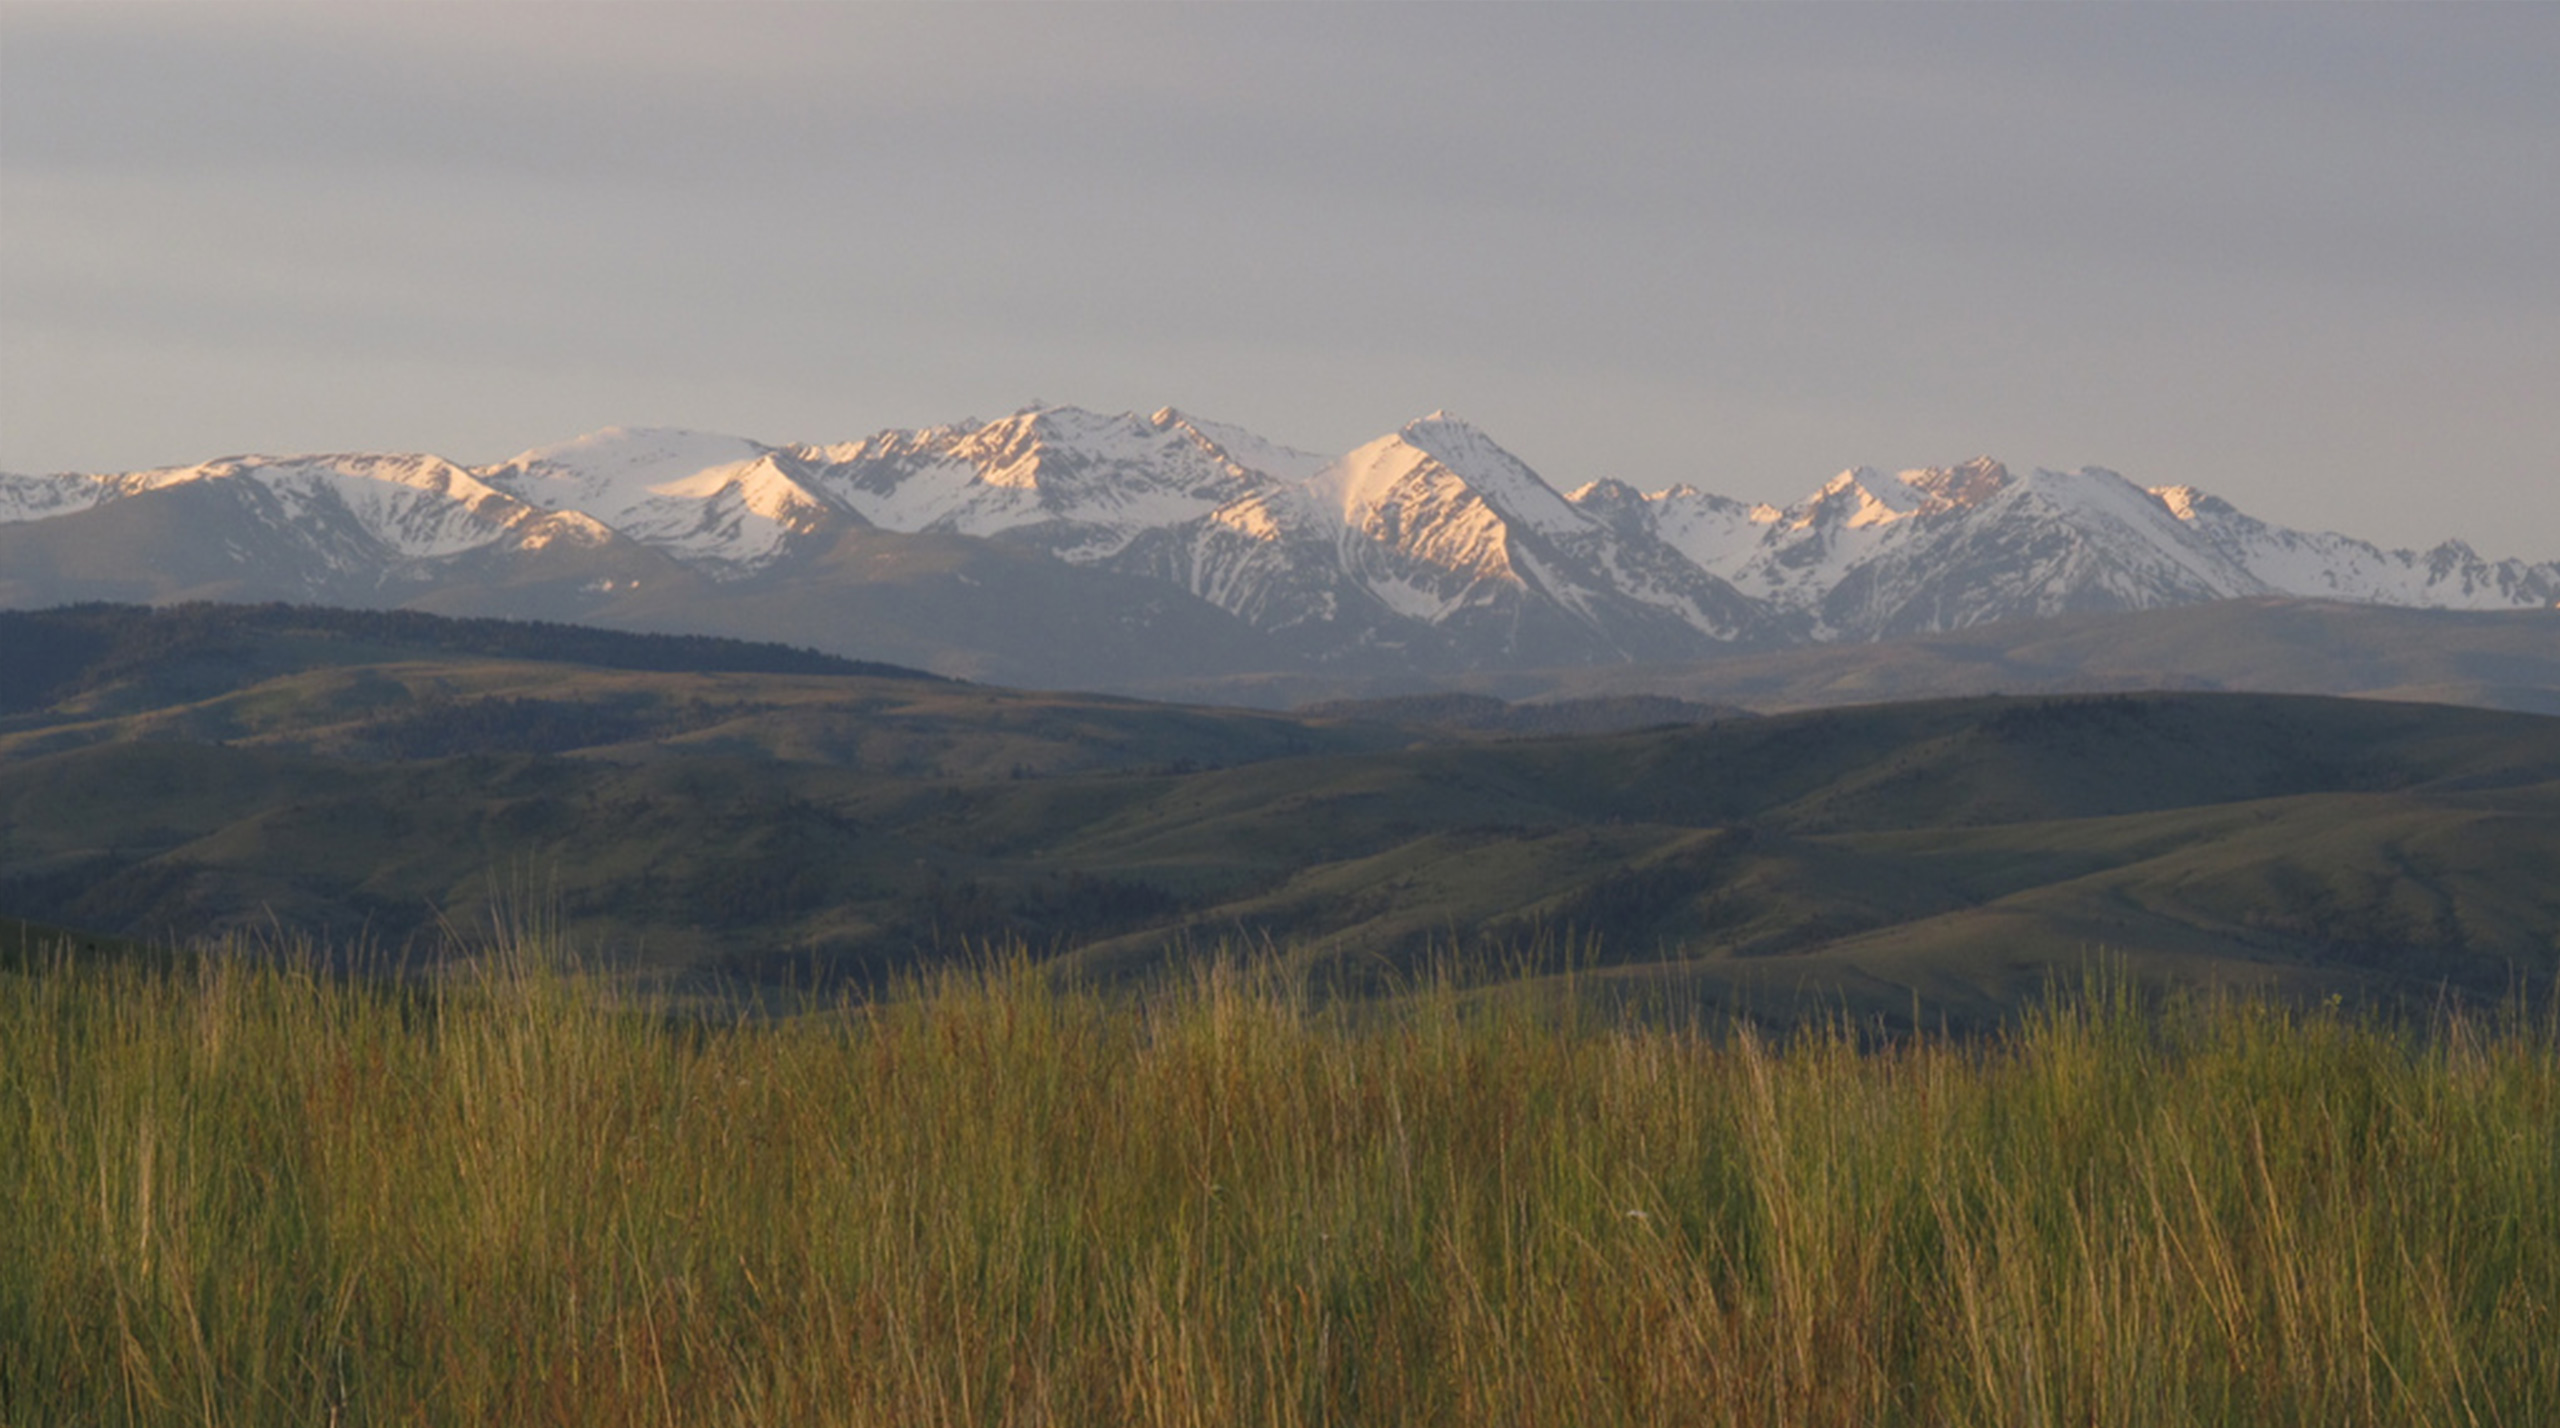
<point x="1463" y="451"/>
<point x="1866" y="497"/>
<point x="2091" y="490"/>
<point x="1241" y="449"/>
<point x="1970" y="484"/>
<point x="724" y="502"/>
<point x="1615" y="504"/>
<point x="1432" y="538"/>
<point x="1176" y="419"/>
<point x="1074" y="454"/>
<point x="1008" y="452"/>
<point x="33" y="498"/>
<point x="1857" y="499"/>
<point x="621" y="459"/>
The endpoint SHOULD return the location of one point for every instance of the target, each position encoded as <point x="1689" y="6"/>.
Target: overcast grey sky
<point x="2307" y="257"/>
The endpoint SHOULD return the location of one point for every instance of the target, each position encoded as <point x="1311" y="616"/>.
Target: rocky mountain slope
<point x="1058" y="545"/>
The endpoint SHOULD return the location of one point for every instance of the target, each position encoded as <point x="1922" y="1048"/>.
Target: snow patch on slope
<point x="1080" y="484"/>
<point x="2326" y="565"/>
<point x="37" y="498"/>
<point x="721" y="501"/>
<point x="1492" y="473"/>
<point x="1434" y="523"/>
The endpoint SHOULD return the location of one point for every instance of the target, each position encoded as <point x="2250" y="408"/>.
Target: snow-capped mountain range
<point x="1158" y="538"/>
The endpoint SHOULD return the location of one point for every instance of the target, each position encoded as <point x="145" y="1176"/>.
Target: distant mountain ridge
<point x="1057" y="544"/>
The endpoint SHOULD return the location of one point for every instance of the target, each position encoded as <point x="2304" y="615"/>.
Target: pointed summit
<point x="1430" y="547"/>
<point x="1463" y="451"/>
<point x="1970" y="484"/>
<point x="1857" y="499"/>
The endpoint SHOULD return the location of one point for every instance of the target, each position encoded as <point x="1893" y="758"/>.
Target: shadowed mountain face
<point x="712" y="809"/>
<point x="1060" y="547"/>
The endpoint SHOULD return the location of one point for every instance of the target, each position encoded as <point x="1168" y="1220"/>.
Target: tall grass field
<point x="241" y="1193"/>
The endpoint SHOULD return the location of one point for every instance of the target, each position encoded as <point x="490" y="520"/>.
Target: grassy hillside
<point x="400" y="685"/>
<point x="245" y="1193"/>
<point x="805" y="828"/>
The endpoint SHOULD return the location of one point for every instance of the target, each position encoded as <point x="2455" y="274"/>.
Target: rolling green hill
<point x="807" y="826"/>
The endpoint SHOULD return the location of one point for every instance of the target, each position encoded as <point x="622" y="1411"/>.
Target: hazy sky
<point x="2307" y="257"/>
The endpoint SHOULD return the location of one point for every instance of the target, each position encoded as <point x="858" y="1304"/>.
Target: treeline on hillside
<point x="46" y="655"/>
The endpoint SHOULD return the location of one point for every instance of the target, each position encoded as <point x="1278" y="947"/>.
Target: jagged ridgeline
<point x="195" y="771"/>
<point x="1064" y="547"/>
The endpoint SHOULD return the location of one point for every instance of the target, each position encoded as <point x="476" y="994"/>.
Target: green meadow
<point x="242" y="1191"/>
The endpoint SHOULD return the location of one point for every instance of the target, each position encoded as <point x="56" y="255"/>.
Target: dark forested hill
<point x="58" y="654"/>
